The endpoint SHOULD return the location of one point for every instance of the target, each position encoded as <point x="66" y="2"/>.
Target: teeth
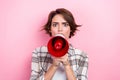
<point x="60" y="35"/>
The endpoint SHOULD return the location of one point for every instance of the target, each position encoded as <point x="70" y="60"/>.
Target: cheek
<point x="67" y="31"/>
<point x="53" y="32"/>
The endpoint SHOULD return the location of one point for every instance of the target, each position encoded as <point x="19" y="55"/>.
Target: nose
<point x="60" y="28"/>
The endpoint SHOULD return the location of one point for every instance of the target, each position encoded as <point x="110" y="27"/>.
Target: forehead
<point x="58" y="18"/>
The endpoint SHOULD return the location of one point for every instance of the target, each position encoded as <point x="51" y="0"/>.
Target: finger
<point x="65" y="56"/>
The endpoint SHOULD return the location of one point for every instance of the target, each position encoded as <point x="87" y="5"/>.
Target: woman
<point x="73" y="65"/>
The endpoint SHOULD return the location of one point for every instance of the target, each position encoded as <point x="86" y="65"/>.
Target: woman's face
<point x="60" y="26"/>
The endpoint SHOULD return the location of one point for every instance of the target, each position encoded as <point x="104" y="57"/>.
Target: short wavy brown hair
<point x="67" y="15"/>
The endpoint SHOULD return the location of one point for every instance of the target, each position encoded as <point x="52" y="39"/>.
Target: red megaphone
<point x="58" y="46"/>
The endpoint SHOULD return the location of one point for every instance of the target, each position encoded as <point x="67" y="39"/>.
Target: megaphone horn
<point x="58" y="46"/>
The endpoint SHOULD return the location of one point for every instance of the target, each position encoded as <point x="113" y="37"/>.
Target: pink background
<point x="20" y="21"/>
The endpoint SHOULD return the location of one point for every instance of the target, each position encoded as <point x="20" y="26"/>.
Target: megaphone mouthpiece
<point x="60" y="35"/>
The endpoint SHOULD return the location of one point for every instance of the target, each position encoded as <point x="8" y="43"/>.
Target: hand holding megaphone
<point x="58" y="46"/>
<point x="58" y="60"/>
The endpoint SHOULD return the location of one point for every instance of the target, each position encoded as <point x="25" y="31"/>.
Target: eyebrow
<point x="62" y="22"/>
<point x="54" y="22"/>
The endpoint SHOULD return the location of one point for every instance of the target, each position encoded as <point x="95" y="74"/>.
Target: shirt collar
<point x="70" y="50"/>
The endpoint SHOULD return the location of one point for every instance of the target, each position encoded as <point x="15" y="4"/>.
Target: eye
<point x="65" y="24"/>
<point x="54" y="24"/>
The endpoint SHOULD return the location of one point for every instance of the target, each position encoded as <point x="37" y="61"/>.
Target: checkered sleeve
<point x="36" y="72"/>
<point x="82" y="70"/>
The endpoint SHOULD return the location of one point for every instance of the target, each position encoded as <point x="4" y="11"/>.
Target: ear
<point x="49" y="31"/>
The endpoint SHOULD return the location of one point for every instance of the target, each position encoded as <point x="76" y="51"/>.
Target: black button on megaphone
<point x="58" y="46"/>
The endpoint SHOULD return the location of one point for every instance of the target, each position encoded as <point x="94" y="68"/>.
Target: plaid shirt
<point x="41" y="59"/>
